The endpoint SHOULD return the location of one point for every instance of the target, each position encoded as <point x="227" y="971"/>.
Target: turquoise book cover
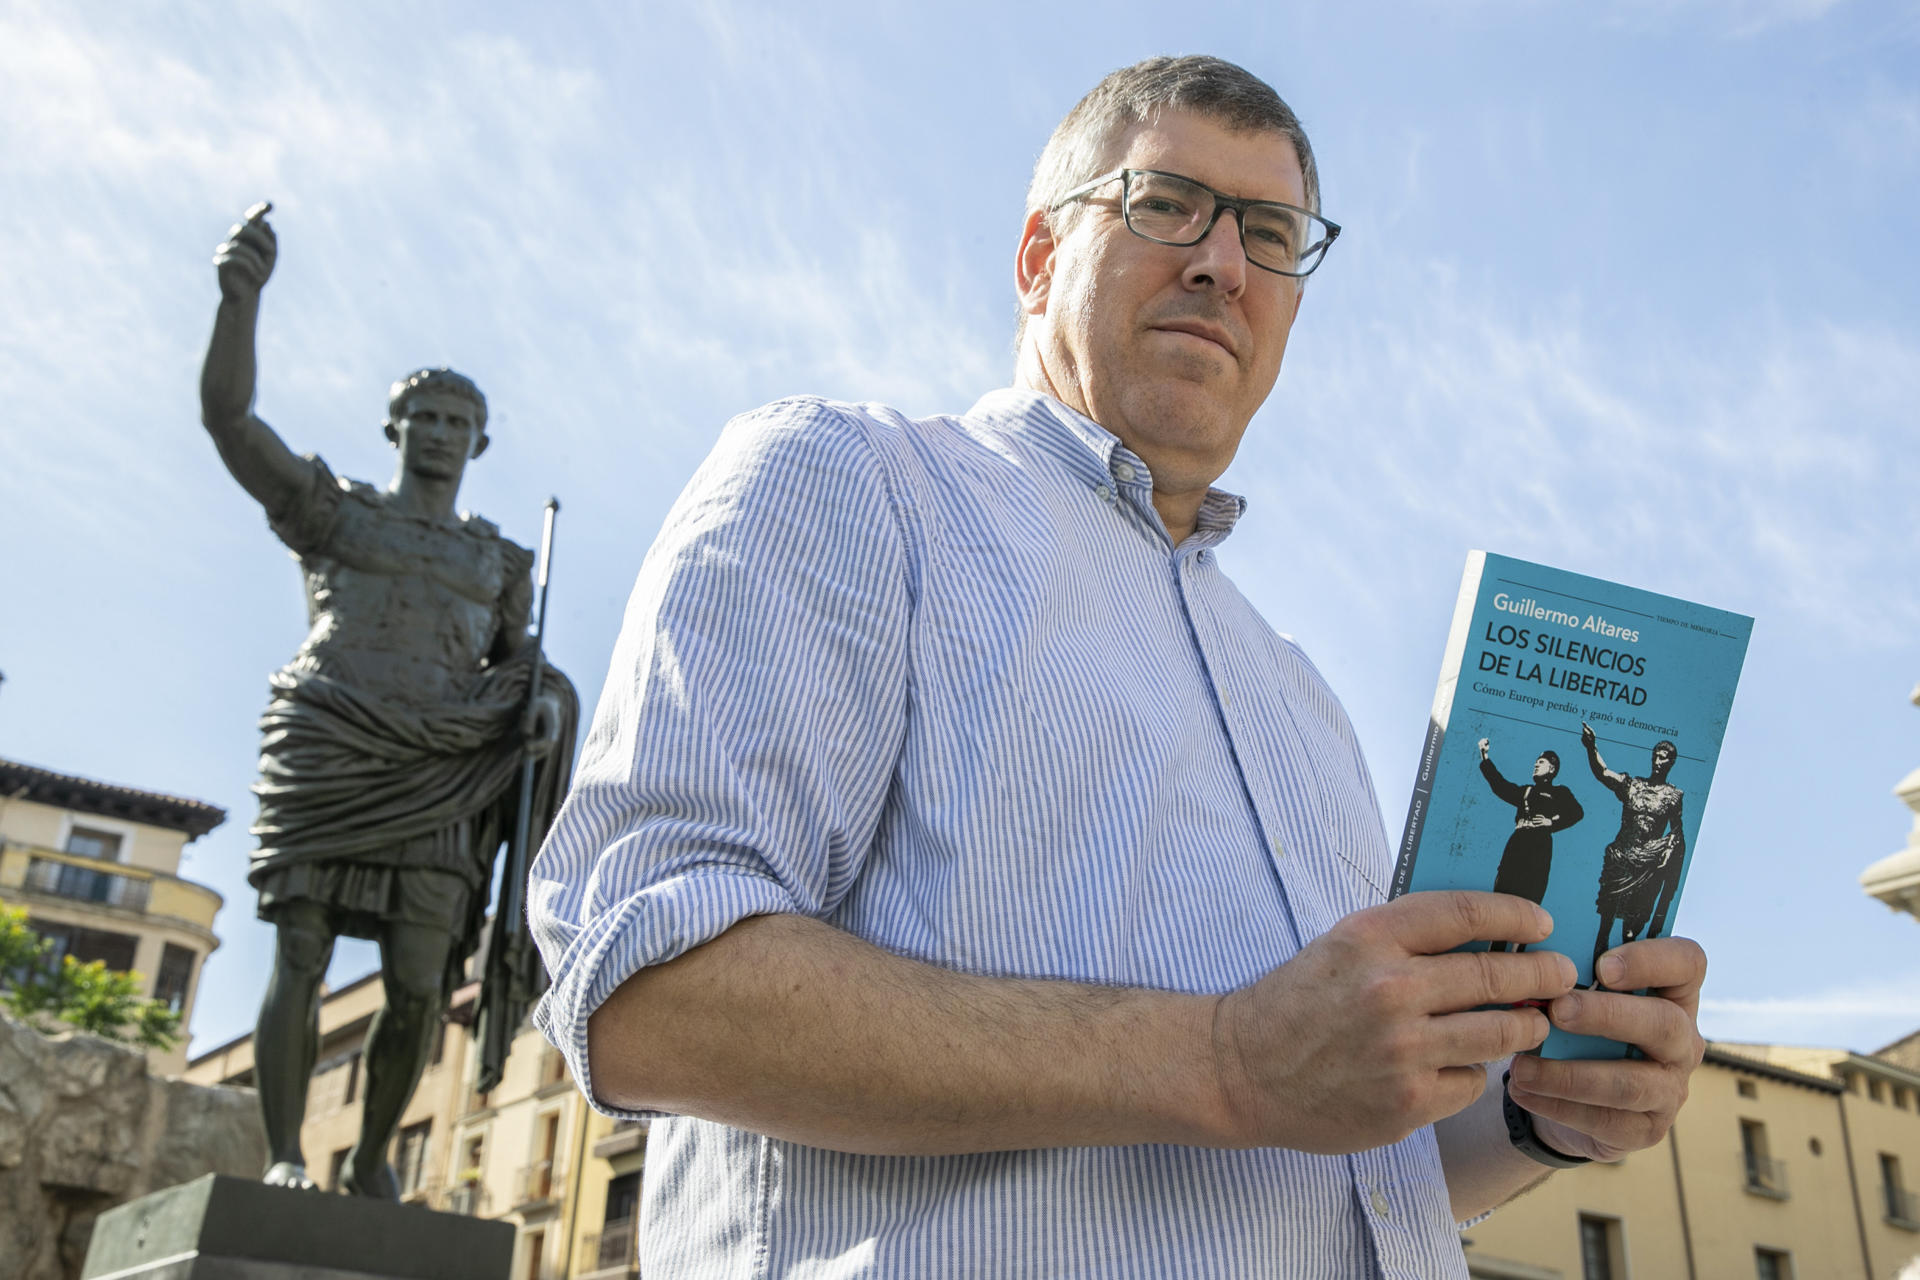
<point x="1569" y="755"/>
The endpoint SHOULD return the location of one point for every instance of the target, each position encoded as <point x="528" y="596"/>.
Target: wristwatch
<point x="1520" y="1133"/>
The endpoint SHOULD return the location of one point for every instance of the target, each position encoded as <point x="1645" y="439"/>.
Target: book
<point x="1569" y="756"/>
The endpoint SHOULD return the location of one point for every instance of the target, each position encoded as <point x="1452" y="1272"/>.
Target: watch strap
<point x="1521" y="1134"/>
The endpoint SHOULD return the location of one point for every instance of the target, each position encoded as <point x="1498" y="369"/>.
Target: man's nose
<point x="1219" y="261"/>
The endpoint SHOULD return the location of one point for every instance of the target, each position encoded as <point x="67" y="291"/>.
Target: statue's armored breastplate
<point x="402" y="606"/>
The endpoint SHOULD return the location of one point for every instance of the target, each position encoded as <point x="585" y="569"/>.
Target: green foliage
<point x="86" y="996"/>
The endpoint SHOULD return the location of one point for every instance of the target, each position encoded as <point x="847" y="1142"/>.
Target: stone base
<point x="222" y="1228"/>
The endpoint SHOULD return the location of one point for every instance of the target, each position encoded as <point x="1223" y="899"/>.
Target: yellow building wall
<point x="1878" y="1127"/>
<point x="1815" y="1222"/>
<point x="154" y="848"/>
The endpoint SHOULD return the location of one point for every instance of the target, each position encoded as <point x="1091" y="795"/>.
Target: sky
<point x="1628" y="288"/>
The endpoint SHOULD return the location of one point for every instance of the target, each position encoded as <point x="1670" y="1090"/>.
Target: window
<point x="1765" y="1175"/>
<point x="1772" y="1264"/>
<point x="1893" y="1191"/>
<point x="1747" y="1089"/>
<point x="87" y="945"/>
<point x="337" y="1167"/>
<point x="1876" y="1090"/>
<point x="175" y="977"/>
<point x="623" y="1197"/>
<point x="536" y="1245"/>
<point x="89" y="843"/>
<point x="1601" y="1257"/>
<point x="410" y="1161"/>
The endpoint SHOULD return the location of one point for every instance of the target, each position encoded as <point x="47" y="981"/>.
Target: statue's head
<point x="449" y="402"/>
<point x="1664" y="754"/>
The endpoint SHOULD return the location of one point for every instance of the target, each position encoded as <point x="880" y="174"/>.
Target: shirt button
<point x="1124" y="470"/>
<point x="1279" y="849"/>
<point x="1379" y="1203"/>
<point x="1103" y="493"/>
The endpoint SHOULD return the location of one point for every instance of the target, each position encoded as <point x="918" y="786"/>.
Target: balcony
<point x="74" y="879"/>
<point x="533" y="1187"/>
<point x="1901" y="1206"/>
<point x="77" y="878"/>
<point x="468" y="1199"/>
<point x="613" y="1254"/>
<point x="1764" y="1176"/>
<point x="627" y="1135"/>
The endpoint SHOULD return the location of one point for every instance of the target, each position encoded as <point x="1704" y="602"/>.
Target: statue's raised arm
<point x="258" y="458"/>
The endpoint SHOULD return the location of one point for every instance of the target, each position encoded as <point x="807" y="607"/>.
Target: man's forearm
<point x="1483" y="1169"/>
<point x="788" y="1027"/>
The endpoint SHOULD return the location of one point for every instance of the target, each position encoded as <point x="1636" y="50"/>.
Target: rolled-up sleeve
<point x="754" y="707"/>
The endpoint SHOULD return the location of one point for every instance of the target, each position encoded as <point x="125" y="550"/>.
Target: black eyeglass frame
<point x="1221" y="201"/>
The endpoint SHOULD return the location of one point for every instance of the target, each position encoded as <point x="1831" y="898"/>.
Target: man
<point x="1539" y="809"/>
<point x="994" y="893"/>
<point x="394" y="737"/>
<point x="1643" y="863"/>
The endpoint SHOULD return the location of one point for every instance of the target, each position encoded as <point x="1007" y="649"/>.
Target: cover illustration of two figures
<point x="1572" y="744"/>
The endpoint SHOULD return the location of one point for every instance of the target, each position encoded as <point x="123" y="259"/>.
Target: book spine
<point x="1450" y="661"/>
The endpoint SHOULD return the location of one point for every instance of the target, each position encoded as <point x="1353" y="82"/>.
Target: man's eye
<point x="1160" y="204"/>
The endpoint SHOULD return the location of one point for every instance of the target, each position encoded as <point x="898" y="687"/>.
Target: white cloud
<point x="1860" y="1016"/>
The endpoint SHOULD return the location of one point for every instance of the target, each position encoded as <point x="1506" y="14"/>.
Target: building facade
<point x="530" y="1152"/>
<point x="97" y="868"/>
<point x="1785" y="1164"/>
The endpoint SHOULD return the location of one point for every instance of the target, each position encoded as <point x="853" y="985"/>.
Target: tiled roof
<point x="84" y="795"/>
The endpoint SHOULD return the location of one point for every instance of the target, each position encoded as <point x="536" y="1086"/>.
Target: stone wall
<point x="83" y="1128"/>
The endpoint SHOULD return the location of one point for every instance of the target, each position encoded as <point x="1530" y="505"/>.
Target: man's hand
<point x="244" y="259"/>
<point x="1372" y="1030"/>
<point x="1588" y="738"/>
<point x="1535" y="822"/>
<point x="1604" y="1110"/>
<point x="541" y="726"/>
<point x="1484" y="745"/>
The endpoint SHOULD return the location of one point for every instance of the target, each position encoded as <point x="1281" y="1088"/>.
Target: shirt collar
<point x="1090" y="450"/>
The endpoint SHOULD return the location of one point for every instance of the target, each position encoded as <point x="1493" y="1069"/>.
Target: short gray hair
<point x="1205" y="86"/>
<point x="443" y="380"/>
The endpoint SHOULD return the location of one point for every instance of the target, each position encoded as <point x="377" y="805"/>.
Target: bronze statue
<point x="393" y="738"/>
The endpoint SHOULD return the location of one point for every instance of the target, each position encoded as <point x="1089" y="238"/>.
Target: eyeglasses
<point x="1169" y="209"/>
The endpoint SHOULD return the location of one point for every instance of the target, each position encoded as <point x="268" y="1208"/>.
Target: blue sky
<point x="1627" y="288"/>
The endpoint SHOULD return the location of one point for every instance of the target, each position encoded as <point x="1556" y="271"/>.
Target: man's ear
<point x="1033" y="264"/>
<point x="393" y="436"/>
<point x="479" y="443"/>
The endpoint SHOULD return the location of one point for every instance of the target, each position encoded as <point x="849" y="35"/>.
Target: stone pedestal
<point x="223" y="1228"/>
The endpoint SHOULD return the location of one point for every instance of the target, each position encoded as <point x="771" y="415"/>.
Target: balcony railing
<point x="613" y="1252"/>
<point x="469" y="1199"/>
<point x="534" y="1184"/>
<point x="64" y="879"/>
<point x="1764" y="1176"/>
<point x="1903" y="1209"/>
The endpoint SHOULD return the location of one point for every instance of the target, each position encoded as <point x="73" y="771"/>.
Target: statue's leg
<point x="288" y="1035"/>
<point x="1600" y="948"/>
<point x="413" y="966"/>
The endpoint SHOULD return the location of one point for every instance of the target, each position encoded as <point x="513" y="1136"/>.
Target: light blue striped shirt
<point x="945" y="684"/>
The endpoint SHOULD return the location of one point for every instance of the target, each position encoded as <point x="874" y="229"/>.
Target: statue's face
<point x="1543" y="770"/>
<point x="436" y="433"/>
<point x="1662" y="760"/>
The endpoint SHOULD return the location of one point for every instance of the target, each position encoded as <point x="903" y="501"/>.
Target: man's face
<point x="1662" y="760"/>
<point x="1171" y="349"/>
<point x="436" y="433"/>
<point x="1542" y="769"/>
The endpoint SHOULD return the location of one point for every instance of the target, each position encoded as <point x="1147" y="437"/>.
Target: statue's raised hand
<point x="244" y="259"/>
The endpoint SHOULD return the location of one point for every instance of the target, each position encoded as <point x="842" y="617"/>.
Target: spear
<point x="501" y="1000"/>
